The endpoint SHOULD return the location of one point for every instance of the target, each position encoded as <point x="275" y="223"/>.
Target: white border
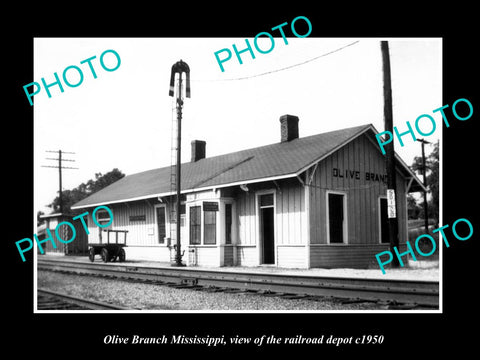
<point x="433" y="311"/>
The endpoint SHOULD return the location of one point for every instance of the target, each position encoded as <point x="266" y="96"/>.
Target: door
<point x="384" y="229"/>
<point x="268" y="238"/>
<point x="267" y="229"/>
<point x="336" y="218"/>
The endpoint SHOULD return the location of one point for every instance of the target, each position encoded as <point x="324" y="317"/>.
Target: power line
<point x="60" y="167"/>
<point x="287" y="67"/>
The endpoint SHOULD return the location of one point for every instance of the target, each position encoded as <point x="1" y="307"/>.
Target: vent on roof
<point x="198" y="150"/>
<point x="288" y="127"/>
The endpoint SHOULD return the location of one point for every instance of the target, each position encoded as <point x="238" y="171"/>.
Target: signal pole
<point x="390" y="153"/>
<point x="60" y="167"/>
<point x="180" y="67"/>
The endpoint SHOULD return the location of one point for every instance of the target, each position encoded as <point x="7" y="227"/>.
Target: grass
<point x="417" y="228"/>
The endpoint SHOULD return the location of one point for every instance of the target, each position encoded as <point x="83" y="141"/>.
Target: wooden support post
<point x="424" y="167"/>
<point x="389" y="149"/>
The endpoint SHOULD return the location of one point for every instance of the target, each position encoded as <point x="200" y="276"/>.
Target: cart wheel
<point x="121" y="255"/>
<point x="105" y="255"/>
<point x="91" y="254"/>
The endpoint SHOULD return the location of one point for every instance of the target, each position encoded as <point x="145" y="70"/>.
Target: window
<point x="161" y="224"/>
<point x="228" y="223"/>
<point x="102" y="217"/>
<point x="210" y="227"/>
<point x="266" y="200"/>
<point x="195" y="225"/>
<point x="336" y="218"/>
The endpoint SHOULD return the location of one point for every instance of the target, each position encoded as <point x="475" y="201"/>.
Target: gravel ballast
<point x="159" y="297"/>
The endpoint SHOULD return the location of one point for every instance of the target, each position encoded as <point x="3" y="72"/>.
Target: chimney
<point x="198" y="150"/>
<point x="288" y="127"/>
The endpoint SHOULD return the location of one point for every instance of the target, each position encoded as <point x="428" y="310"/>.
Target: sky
<point x="123" y="118"/>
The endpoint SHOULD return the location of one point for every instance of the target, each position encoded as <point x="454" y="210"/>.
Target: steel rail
<point x="86" y="303"/>
<point x="399" y="291"/>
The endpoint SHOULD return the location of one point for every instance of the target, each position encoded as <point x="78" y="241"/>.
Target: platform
<point x="426" y="270"/>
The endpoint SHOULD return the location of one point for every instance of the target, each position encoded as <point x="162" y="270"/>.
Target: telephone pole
<point x="424" y="167"/>
<point x="60" y="167"/>
<point x="390" y="153"/>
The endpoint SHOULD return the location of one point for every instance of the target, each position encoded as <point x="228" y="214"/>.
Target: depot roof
<point x="270" y="162"/>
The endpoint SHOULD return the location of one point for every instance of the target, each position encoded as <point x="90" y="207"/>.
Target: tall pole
<point x="424" y="167"/>
<point x="178" y="256"/>
<point x="60" y="167"/>
<point x="390" y="153"/>
<point x="179" y="67"/>
<point x="60" y="180"/>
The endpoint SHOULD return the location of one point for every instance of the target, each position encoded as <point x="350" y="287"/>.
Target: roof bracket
<point x="409" y="184"/>
<point x="301" y="180"/>
<point x="312" y="173"/>
<point x="277" y="186"/>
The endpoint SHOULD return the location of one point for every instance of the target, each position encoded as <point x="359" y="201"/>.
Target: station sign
<point x="210" y="206"/>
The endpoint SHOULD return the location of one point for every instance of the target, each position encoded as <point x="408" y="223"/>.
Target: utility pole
<point x="424" y="167"/>
<point x="180" y="67"/>
<point x="390" y="153"/>
<point x="60" y="167"/>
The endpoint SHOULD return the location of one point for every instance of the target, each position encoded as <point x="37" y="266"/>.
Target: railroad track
<point x="51" y="300"/>
<point x="413" y="293"/>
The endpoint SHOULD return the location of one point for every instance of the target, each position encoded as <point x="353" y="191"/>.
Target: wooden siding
<point x="140" y="232"/>
<point x="362" y="194"/>
<point x="291" y="256"/>
<point x="247" y="256"/>
<point x="246" y="217"/>
<point x="78" y="246"/>
<point x="228" y="258"/>
<point x="290" y="222"/>
<point x="162" y="254"/>
<point x="142" y="237"/>
<point x="203" y="256"/>
<point x="348" y="256"/>
<point x="290" y="216"/>
<point x="290" y="213"/>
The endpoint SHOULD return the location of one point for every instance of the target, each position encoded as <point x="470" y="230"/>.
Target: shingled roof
<point x="270" y="162"/>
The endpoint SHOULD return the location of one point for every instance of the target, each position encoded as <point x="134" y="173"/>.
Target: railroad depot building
<point x="51" y="221"/>
<point x="316" y="201"/>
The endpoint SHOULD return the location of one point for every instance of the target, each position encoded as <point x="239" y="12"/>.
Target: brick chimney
<point x="198" y="150"/>
<point x="288" y="127"/>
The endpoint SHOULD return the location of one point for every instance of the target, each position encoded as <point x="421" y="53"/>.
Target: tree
<point x="413" y="208"/>
<point x="39" y="220"/>
<point x="433" y="175"/>
<point x="70" y="197"/>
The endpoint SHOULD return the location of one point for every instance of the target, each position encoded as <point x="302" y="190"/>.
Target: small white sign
<point x="392" y="213"/>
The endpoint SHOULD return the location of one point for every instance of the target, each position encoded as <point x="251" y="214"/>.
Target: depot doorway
<point x="336" y="218"/>
<point x="267" y="229"/>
